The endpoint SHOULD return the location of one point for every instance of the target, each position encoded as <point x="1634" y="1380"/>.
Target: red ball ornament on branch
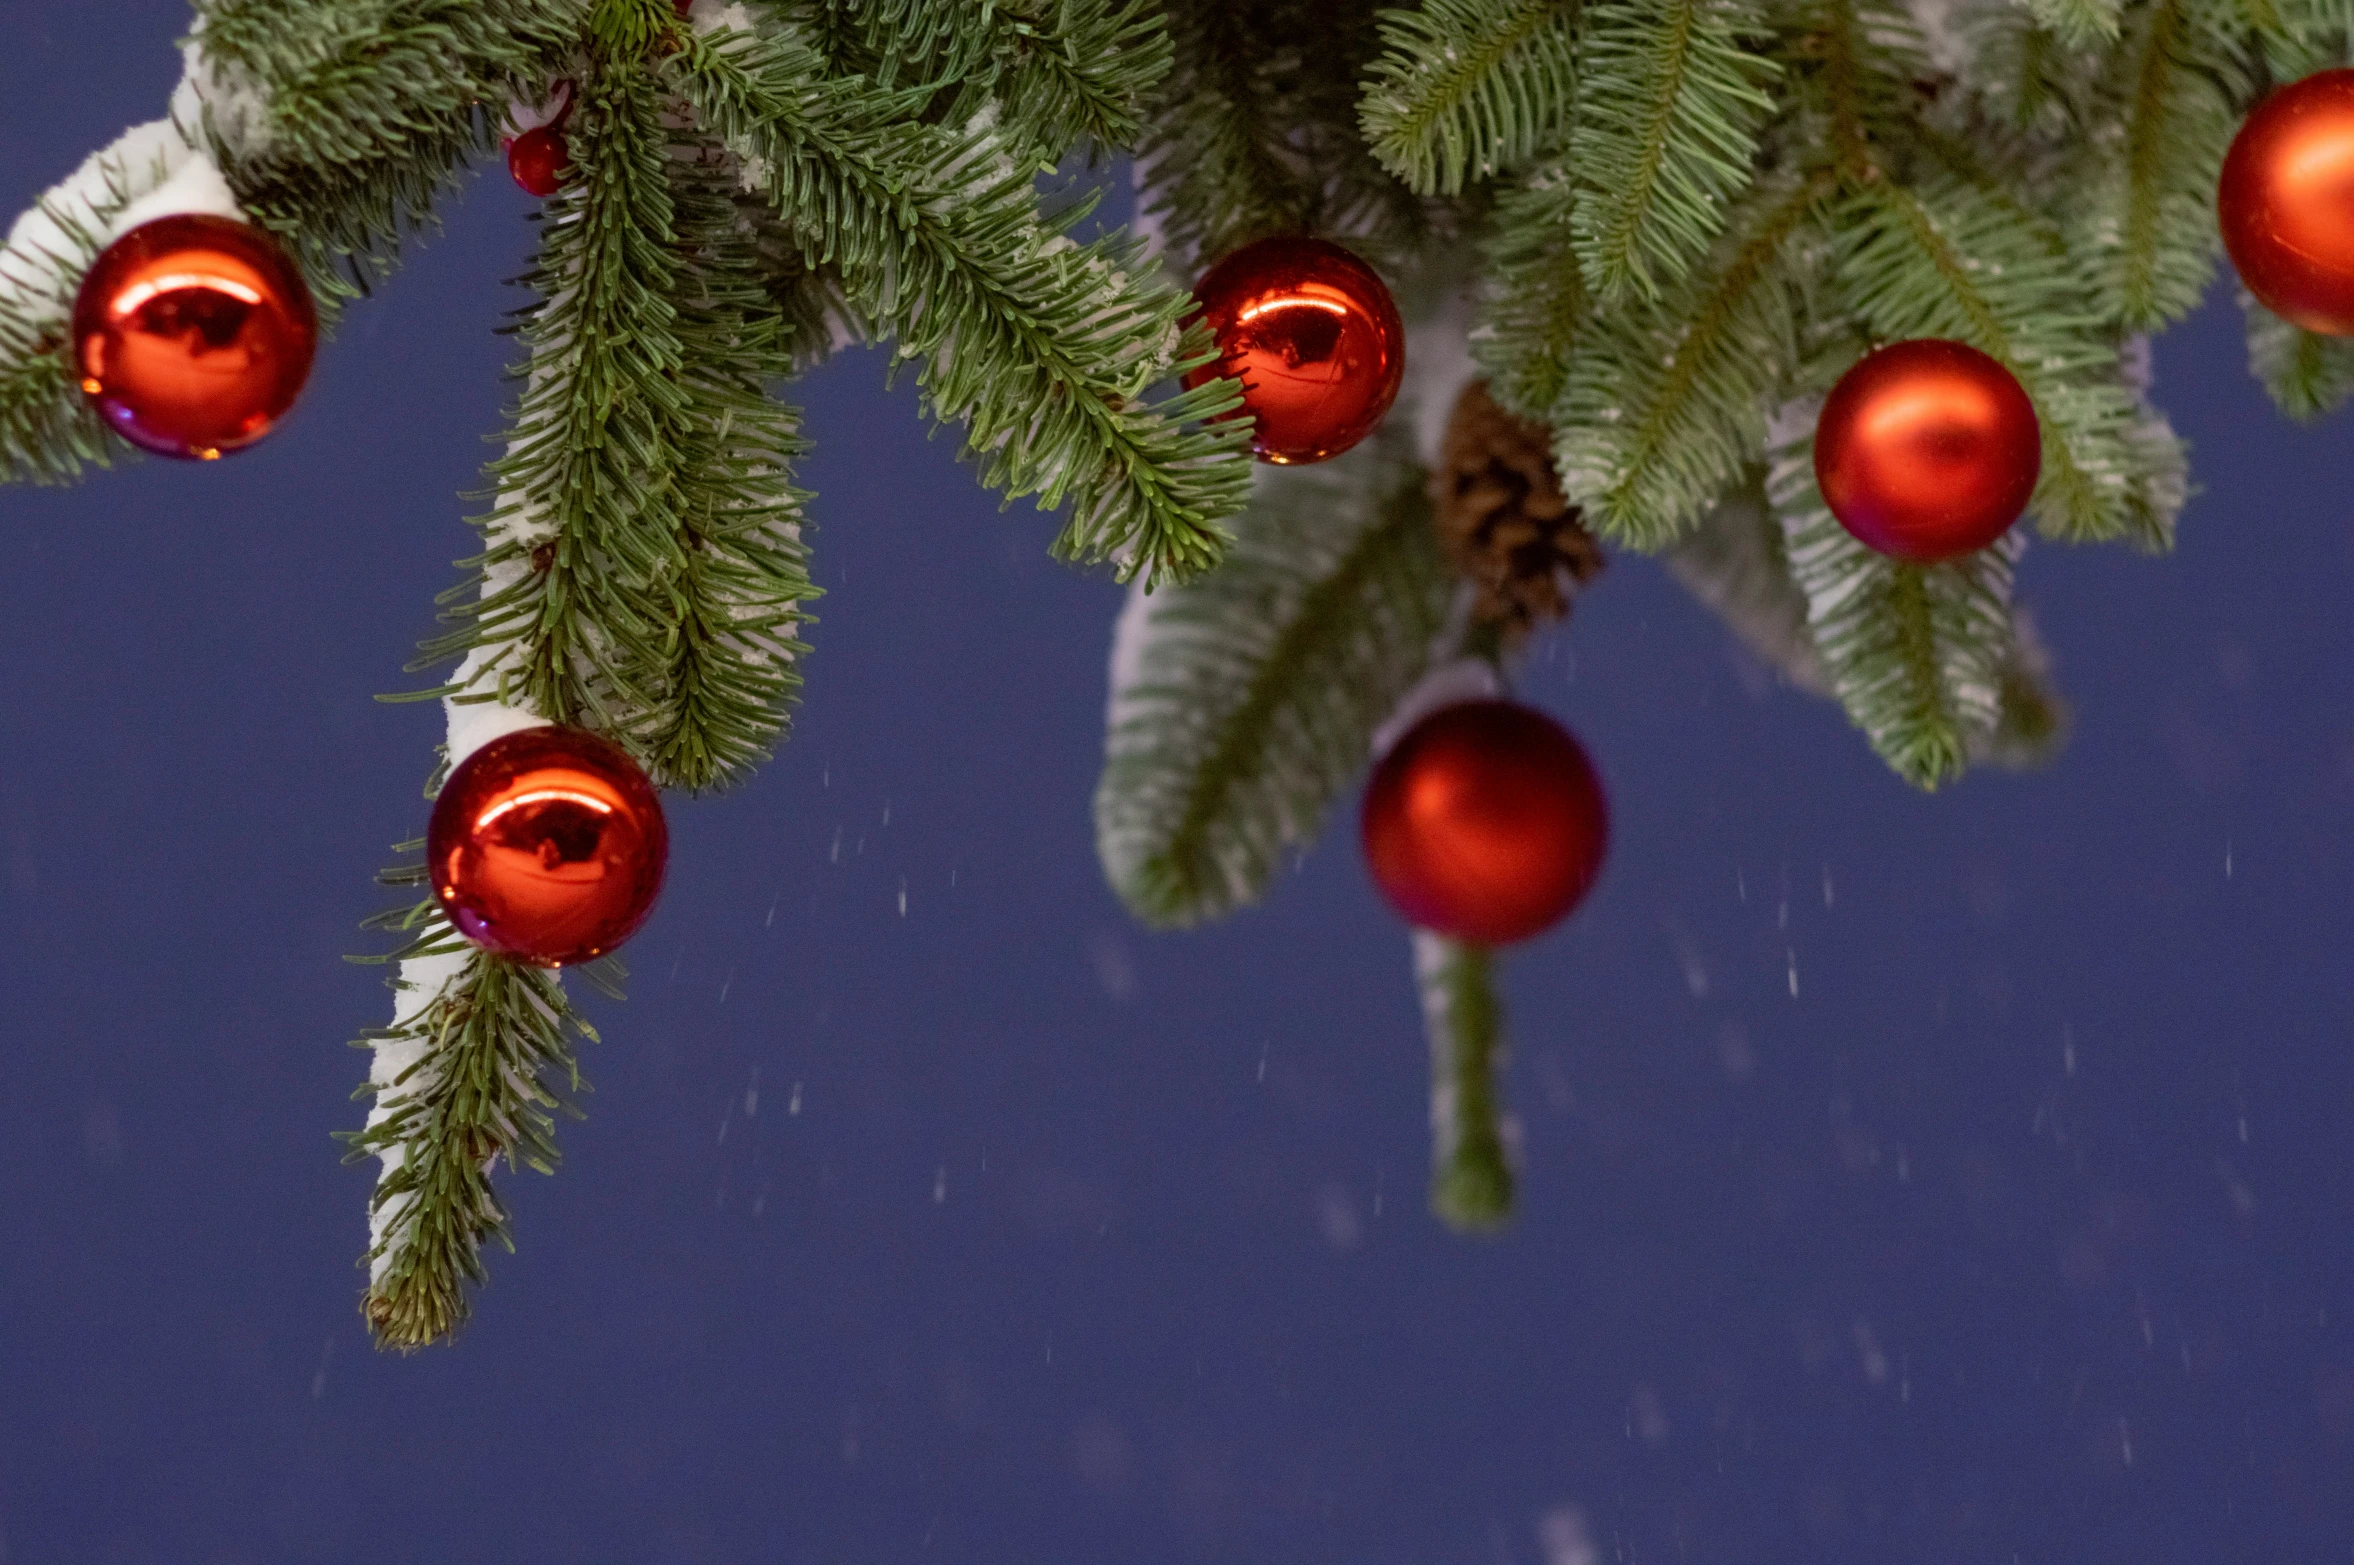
<point x="193" y="335"/>
<point x="538" y="160"/>
<point x="1485" y="822"/>
<point x="547" y="846"/>
<point x="1315" y="339"/>
<point x="2286" y="202"/>
<point x="1927" y="450"/>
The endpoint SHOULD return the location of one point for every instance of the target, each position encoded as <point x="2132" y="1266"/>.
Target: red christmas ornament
<point x="1927" y="450"/>
<point x="548" y="846"/>
<point x="1485" y="822"/>
<point x="193" y="335"/>
<point x="538" y="159"/>
<point x="2286" y="202"/>
<point x="1314" y="337"/>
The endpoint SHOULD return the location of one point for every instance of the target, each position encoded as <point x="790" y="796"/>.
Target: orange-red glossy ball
<point x="548" y="846"/>
<point x="2286" y="202"/>
<point x="1485" y="822"/>
<point x="1927" y="450"/>
<point x="539" y="159"/>
<point x="1314" y="337"/>
<point x="193" y="335"/>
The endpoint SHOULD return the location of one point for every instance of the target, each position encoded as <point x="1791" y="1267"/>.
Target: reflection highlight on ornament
<point x="546" y="796"/>
<point x="136" y="297"/>
<point x="1296" y="302"/>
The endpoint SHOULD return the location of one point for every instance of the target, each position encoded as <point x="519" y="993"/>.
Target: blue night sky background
<point x="2019" y="1233"/>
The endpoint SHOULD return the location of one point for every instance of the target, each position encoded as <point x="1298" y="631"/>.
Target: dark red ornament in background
<point x="1315" y="338"/>
<point x="2286" y="202"/>
<point x="539" y="159"/>
<point x="1485" y="822"/>
<point x="193" y="335"/>
<point x="1927" y="450"/>
<point x="548" y="846"/>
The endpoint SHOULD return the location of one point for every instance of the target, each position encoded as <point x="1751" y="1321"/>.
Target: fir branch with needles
<point x="1533" y="304"/>
<point x="1914" y="652"/>
<point x="570" y="601"/>
<point x="1466" y="88"/>
<point x="1254" y="132"/>
<point x="50" y="432"/>
<point x="1062" y="73"/>
<point x="369" y="110"/>
<point x="1244" y="703"/>
<point x="474" y="1070"/>
<point x="1664" y="405"/>
<point x="2149" y="232"/>
<point x="1666" y="136"/>
<point x="2306" y="374"/>
<point x="2079" y="24"/>
<point x="1043" y="349"/>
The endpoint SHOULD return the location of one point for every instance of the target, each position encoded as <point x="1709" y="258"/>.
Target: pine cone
<point x="1501" y="517"/>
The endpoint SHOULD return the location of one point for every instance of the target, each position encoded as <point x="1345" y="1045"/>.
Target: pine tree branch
<point x="1043" y="349"/>
<point x="1666" y="136"/>
<point x="1254" y="132"/>
<point x="1060" y="71"/>
<point x="479" y="1060"/>
<point x="728" y="667"/>
<point x="1243" y="703"/>
<point x="351" y="116"/>
<point x="1665" y="402"/>
<point x="571" y="605"/>
<point x="1470" y="1170"/>
<point x="2306" y="374"/>
<point x="2080" y="24"/>
<point x="1914" y="652"/>
<point x="2149" y="232"/>
<point x="1533" y="301"/>
<point x="1467" y="88"/>
<point x="48" y="430"/>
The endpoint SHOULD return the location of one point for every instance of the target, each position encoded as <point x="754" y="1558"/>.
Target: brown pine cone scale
<point x="1501" y="517"/>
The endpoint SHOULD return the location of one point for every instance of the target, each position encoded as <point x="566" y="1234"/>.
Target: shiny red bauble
<point x="547" y="846"/>
<point x="539" y="159"/>
<point x="2286" y="202"/>
<point x="193" y="335"/>
<point x="1927" y="450"/>
<point x="1315" y="339"/>
<point x="1485" y="822"/>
